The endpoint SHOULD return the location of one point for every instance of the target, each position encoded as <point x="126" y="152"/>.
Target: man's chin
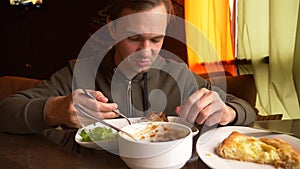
<point x="144" y="70"/>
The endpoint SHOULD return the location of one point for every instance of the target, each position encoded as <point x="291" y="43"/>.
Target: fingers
<point x="178" y="110"/>
<point x="205" y="106"/>
<point x="211" y="116"/>
<point x="97" y="114"/>
<point x="95" y="102"/>
<point x="211" y="109"/>
<point x="98" y="96"/>
<point x="221" y="116"/>
<point x="228" y="116"/>
<point x="187" y="111"/>
<point x="194" y="104"/>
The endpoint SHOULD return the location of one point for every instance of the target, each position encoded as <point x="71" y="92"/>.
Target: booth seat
<point x="13" y="84"/>
<point x="242" y="86"/>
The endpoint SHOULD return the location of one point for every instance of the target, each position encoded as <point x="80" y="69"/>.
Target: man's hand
<point x="205" y="105"/>
<point x="60" y="110"/>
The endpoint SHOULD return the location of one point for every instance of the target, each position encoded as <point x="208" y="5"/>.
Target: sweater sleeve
<point x="23" y="112"/>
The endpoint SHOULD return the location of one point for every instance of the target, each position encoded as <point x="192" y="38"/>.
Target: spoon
<point x="82" y="111"/>
<point x="115" y="111"/>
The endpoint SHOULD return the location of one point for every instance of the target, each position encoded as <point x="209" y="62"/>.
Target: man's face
<point x="141" y="37"/>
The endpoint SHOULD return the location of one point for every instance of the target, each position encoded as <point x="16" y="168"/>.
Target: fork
<point x="115" y="111"/>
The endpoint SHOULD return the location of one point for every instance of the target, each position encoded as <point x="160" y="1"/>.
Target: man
<point x="132" y="77"/>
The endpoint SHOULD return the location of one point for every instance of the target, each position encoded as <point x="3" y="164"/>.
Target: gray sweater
<point x="166" y="85"/>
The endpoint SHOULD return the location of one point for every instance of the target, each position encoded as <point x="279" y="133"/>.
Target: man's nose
<point x="145" y="48"/>
<point x="145" y="44"/>
<point x="145" y="52"/>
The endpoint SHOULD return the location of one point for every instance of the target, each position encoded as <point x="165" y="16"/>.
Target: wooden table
<point x="36" y="151"/>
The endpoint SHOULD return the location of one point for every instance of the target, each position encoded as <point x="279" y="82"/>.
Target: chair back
<point x="12" y="84"/>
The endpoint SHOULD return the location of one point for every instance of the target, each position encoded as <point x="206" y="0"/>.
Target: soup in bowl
<point x="159" y="145"/>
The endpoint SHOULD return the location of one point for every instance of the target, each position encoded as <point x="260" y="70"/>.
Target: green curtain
<point x="267" y="29"/>
<point x="296" y="66"/>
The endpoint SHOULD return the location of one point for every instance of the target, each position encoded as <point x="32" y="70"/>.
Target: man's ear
<point x="111" y="28"/>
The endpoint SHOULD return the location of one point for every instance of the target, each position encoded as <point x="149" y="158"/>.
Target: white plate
<point x="112" y="145"/>
<point x="210" y="140"/>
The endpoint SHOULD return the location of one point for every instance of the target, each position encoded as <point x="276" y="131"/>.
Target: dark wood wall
<point x="36" y="42"/>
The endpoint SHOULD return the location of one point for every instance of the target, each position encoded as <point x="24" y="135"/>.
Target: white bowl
<point x="143" y="154"/>
<point x="174" y="119"/>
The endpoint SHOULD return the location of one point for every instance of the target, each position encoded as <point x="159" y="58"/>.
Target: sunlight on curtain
<point x="296" y="66"/>
<point x="212" y="18"/>
<point x="268" y="28"/>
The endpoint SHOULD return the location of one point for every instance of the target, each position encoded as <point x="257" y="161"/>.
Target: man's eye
<point x="133" y="38"/>
<point x="156" y="40"/>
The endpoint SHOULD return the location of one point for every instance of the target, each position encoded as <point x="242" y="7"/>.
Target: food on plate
<point x="271" y="151"/>
<point x="289" y="157"/>
<point x="97" y="134"/>
<point x="153" y="116"/>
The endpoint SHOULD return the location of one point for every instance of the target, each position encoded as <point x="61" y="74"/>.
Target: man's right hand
<point x="60" y="110"/>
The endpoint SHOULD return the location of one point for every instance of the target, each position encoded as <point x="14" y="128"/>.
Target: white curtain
<point x="269" y="28"/>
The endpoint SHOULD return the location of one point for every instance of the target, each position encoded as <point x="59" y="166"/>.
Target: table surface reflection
<point x="36" y="151"/>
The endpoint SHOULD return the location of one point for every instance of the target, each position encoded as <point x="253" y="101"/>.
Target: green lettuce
<point x="98" y="134"/>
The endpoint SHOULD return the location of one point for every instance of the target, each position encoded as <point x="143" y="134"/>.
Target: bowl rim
<point x="190" y="132"/>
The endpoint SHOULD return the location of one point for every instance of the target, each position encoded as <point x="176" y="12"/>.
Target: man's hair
<point x="117" y="6"/>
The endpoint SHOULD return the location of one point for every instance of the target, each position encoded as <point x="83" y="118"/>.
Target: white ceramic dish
<point x="107" y="145"/>
<point x="210" y="140"/>
<point x="113" y="145"/>
<point x="144" y="154"/>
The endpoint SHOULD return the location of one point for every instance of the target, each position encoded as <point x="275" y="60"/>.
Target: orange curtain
<point x="212" y="18"/>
